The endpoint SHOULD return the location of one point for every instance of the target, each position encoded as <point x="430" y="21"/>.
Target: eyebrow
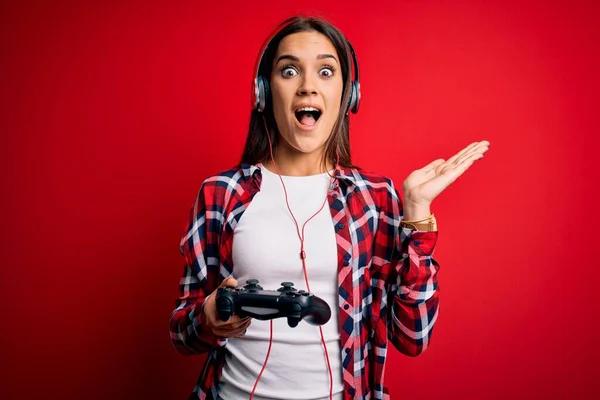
<point x="294" y="58"/>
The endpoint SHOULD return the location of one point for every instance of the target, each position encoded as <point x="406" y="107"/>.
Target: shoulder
<point x="374" y="190"/>
<point x="218" y="187"/>
<point x="231" y="177"/>
<point x="371" y="182"/>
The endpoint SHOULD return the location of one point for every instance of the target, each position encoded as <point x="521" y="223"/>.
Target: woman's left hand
<point x="425" y="184"/>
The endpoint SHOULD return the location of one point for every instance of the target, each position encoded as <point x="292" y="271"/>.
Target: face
<point x="306" y="88"/>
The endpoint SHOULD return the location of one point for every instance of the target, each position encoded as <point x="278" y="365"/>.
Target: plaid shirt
<point x="386" y="274"/>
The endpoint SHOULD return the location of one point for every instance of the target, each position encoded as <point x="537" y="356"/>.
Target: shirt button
<point x="417" y="243"/>
<point x="346" y="306"/>
<point x="346" y="263"/>
<point x="340" y="225"/>
<point x="347" y="350"/>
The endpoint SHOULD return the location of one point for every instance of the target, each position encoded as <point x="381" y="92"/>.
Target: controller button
<point x="286" y="287"/>
<point x="252" y="285"/>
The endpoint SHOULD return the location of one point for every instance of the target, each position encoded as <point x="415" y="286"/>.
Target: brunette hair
<point x="256" y="148"/>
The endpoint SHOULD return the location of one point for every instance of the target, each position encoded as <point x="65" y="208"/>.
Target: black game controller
<point x="253" y="301"/>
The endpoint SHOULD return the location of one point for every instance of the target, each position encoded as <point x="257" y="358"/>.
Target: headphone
<point x="261" y="91"/>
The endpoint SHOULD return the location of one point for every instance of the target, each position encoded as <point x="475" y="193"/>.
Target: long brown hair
<point x="257" y="145"/>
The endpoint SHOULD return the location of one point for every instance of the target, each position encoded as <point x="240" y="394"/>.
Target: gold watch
<point x="429" y="225"/>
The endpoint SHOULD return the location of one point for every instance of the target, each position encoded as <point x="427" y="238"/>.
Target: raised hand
<point x="425" y="184"/>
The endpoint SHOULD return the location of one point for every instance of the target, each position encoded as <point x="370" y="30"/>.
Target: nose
<point x="307" y="86"/>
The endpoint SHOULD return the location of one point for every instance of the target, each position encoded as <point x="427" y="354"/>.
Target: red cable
<point x="265" y="363"/>
<point x="303" y="257"/>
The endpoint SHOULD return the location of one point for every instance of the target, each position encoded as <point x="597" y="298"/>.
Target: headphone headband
<point x="261" y="93"/>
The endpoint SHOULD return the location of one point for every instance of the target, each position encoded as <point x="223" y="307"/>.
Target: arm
<point x="412" y="284"/>
<point x="415" y="302"/>
<point x="199" y="246"/>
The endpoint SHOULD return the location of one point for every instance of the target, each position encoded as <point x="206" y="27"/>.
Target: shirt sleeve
<point x="199" y="246"/>
<point x="413" y="285"/>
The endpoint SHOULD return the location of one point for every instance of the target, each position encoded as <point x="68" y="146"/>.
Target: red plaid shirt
<point x="386" y="274"/>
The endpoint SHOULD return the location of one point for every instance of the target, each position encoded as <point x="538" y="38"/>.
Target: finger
<point x="449" y="175"/>
<point x="242" y="333"/>
<point x="237" y="324"/>
<point x="246" y="324"/>
<point x="476" y="151"/>
<point x="229" y="281"/>
<point x="228" y="332"/>
<point x="433" y="165"/>
<point x="460" y="153"/>
<point x="225" y="332"/>
<point x="234" y="320"/>
<point x="480" y="148"/>
<point x="470" y="160"/>
<point x="473" y="147"/>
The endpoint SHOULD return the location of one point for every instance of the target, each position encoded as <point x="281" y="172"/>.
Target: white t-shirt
<point x="266" y="247"/>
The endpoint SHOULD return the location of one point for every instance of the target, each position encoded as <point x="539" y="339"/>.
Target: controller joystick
<point x="252" y="285"/>
<point x="286" y="287"/>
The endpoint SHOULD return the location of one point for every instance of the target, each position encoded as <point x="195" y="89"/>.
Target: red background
<point x="112" y="114"/>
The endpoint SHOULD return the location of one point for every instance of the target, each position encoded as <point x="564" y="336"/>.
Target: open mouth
<point x="308" y="116"/>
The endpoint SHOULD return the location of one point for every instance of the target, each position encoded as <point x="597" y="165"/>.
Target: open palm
<point x="425" y="184"/>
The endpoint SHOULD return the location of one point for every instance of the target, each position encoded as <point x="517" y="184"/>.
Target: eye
<point x="288" y="71"/>
<point x="327" y="71"/>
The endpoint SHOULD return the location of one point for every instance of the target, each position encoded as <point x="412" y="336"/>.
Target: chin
<point x="304" y="141"/>
<point x="307" y="148"/>
<point x="308" y="140"/>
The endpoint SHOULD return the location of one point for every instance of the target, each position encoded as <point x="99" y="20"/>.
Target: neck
<point x="298" y="164"/>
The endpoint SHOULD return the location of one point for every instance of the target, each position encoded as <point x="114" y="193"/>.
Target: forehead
<point x="308" y="44"/>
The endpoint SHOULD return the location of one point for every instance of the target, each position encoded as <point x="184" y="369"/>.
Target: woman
<point x="300" y="211"/>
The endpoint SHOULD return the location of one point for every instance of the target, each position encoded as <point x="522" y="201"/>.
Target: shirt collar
<point x="348" y="175"/>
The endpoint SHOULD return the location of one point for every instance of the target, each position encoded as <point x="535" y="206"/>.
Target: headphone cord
<point x="266" y="359"/>
<point x="303" y="257"/>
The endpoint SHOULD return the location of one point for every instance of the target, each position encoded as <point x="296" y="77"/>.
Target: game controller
<point x="252" y="301"/>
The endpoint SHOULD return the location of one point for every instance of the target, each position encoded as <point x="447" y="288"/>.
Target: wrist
<point x="413" y="212"/>
<point x="428" y="224"/>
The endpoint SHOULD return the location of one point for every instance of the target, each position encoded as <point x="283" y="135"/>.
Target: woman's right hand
<point x="234" y="327"/>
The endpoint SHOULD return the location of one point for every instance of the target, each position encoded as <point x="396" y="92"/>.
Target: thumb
<point x="229" y="281"/>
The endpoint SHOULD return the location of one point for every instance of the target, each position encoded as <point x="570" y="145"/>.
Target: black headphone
<point x="262" y="94"/>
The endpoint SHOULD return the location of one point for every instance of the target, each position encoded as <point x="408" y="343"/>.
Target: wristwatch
<point x="428" y="225"/>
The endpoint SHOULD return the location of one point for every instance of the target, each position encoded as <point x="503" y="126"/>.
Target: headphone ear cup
<point x="259" y="103"/>
<point x="262" y="94"/>
<point x="356" y="87"/>
<point x="354" y="100"/>
<point x="267" y="91"/>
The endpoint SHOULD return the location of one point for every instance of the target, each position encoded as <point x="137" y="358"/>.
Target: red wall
<point x="112" y="114"/>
